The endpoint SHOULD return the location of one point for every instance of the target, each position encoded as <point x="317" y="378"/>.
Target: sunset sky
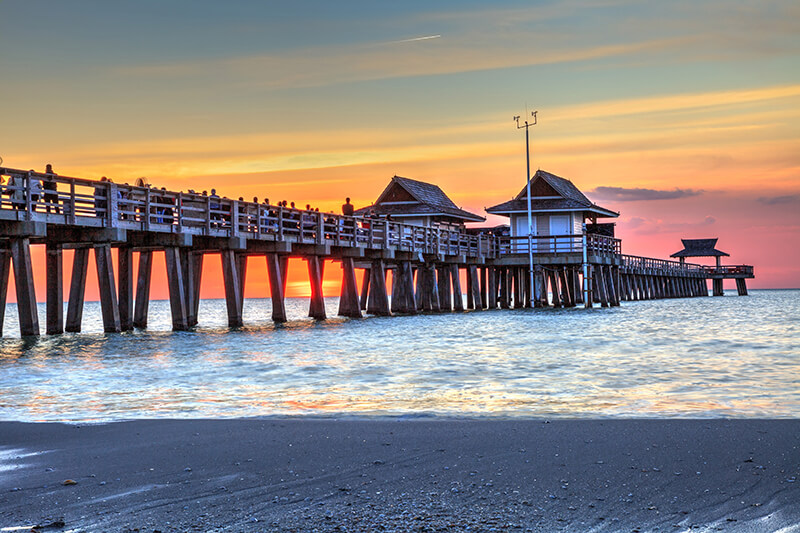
<point x="683" y="115"/>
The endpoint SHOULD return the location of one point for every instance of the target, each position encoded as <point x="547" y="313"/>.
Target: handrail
<point x="77" y="201"/>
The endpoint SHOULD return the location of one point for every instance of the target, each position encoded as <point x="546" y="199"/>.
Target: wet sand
<point x="402" y="475"/>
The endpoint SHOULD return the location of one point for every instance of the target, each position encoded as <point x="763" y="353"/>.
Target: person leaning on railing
<point x="50" y="190"/>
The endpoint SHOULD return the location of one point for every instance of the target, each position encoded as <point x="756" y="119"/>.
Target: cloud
<point x="622" y="194"/>
<point x="778" y="200"/>
<point x="644" y="226"/>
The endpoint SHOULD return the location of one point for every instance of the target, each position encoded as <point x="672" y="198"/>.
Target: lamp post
<point x="527" y="125"/>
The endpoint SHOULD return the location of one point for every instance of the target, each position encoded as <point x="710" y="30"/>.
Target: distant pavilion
<point x="418" y="203"/>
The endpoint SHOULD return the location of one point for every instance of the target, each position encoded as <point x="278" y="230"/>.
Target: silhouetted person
<point x="347" y="208"/>
<point x="50" y="193"/>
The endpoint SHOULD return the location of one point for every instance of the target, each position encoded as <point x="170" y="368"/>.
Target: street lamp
<point x="527" y="125"/>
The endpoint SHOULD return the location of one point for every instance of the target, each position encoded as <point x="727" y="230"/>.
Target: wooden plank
<point x="348" y="299"/>
<point x="316" y="308"/>
<point x="276" y="287"/>
<point x="77" y="290"/>
<point x="378" y="300"/>
<point x="55" y="289"/>
<point x="5" y="271"/>
<point x="142" y="289"/>
<point x="125" y="287"/>
<point x="177" y="289"/>
<point x="108" y="291"/>
<point x="233" y="295"/>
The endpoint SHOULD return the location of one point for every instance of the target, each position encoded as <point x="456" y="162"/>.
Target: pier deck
<point x="62" y="212"/>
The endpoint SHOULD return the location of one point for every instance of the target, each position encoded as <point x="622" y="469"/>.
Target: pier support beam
<point x="443" y="275"/>
<point x="403" y="289"/>
<point x="484" y="287"/>
<point x="277" y="283"/>
<point x="519" y="290"/>
<point x="23" y="279"/>
<point x="539" y="288"/>
<point x="455" y="279"/>
<point x="378" y="300"/>
<point x="348" y="299"/>
<point x="5" y="270"/>
<point x="108" y="290"/>
<point x="316" y="308"/>
<point x="741" y="286"/>
<point x="125" y="287"/>
<point x="177" y="289"/>
<point x="77" y="290"/>
<point x="233" y="295"/>
<point x="192" y="264"/>
<point x="566" y="288"/>
<point x="602" y="285"/>
<point x="557" y="300"/>
<point x="142" y="288"/>
<point x="491" y="291"/>
<point x="365" y="288"/>
<point x="55" y="289"/>
<point x="241" y="270"/>
<point x="717" y="286"/>
<point x="474" y="288"/>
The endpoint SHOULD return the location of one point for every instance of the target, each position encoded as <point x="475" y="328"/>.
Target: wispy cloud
<point x="780" y="200"/>
<point x="622" y="194"/>
<point x="645" y="226"/>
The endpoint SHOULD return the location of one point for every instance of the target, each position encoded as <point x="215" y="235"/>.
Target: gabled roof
<point x="566" y="197"/>
<point x="699" y="248"/>
<point x="426" y="199"/>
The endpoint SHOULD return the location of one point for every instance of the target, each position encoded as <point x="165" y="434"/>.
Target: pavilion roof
<point x="699" y="248"/>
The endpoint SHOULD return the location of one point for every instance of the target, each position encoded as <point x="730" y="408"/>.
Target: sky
<point x="683" y="116"/>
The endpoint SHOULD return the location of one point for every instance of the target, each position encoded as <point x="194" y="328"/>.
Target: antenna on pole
<point x="527" y="125"/>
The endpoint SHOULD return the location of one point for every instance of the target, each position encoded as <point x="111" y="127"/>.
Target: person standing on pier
<point x="50" y="192"/>
<point x="347" y="208"/>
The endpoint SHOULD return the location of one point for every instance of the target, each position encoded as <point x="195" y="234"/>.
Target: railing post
<point x="320" y="229"/>
<point x="147" y="209"/>
<point x="179" y="209"/>
<point x="28" y="199"/>
<point x="280" y="223"/>
<point x="71" y="202"/>
<point x="234" y="218"/>
<point x="112" y="204"/>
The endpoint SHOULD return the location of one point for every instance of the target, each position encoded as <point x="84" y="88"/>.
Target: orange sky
<point x="683" y="116"/>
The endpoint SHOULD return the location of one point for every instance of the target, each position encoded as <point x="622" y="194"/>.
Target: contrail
<point x="427" y="37"/>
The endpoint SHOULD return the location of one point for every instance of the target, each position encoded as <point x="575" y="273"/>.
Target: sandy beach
<point x="401" y="475"/>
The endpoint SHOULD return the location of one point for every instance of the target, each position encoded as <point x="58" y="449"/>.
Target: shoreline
<point x="411" y="474"/>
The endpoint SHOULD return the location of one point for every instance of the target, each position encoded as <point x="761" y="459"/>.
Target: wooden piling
<point x="491" y="288"/>
<point x="519" y="290"/>
<point x="406" y="280"/>
<point x="741" y="286"/>
<point x="717" y="286"/>
<point x="365" y="288"/>
<point x="177" y="288"/>
<point x="276" y="285"/>
<point x="142" y="304"/>
<point x="484" y="287"/>
<point x="125" y="287"/>
<point x="108" y="290"/>
<point x="613" y="296"/>
<point x="241" y="270"/>
<point x="77" y="290"/>
<point x="470" y="298"/>
<point x="233" y="295"/>
<point x="566" y="288"/>
<point x="378" y="299"/>
<point x="23" y="280"/>
<point x="540" y="288"/>
<point x="443" y="275"/>
<point x="557" y="300"/>
<point x="5" y="270"/>
<point x="475" y="289"/>
<point x="55" y="289"/>
<point x="348" y="298"/>
<point x="505" y="288"/>
<point x="192" y="264"/>
<point x="455" y="279"/>
<point x="602" y="285"/>
<point x="316" y="309"/>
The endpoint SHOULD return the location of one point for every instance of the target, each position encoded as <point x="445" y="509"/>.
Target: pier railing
<point x="28" y="195"/>
<point x="729" y="270"/>
<point x="557" y="244"/>
<point x="659" y="265"/>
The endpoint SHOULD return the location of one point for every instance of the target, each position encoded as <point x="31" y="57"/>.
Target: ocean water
<point x="701" y="357"/>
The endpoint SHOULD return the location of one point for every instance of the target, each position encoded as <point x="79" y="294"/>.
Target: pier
<point x="427" y="262"/>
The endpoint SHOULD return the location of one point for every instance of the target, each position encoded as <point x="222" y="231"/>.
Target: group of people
<point x="45" y="189"/>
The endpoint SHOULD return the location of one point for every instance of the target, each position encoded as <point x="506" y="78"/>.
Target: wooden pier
<point x="428" y="263"/>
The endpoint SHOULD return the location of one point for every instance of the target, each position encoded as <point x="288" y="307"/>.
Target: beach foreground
<point x="402" y="475"/>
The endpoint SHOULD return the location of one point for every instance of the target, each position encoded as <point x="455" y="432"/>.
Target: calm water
<point x="701" y="357"/>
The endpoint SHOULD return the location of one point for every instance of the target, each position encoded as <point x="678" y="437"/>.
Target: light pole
<point x="527" y="125"/>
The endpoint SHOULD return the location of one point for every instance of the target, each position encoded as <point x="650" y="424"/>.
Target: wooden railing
<point x="729" y="270"/>
<point x="659" y="265"/>
<point x="28" y="195"/>
<point x="555" y="244"/>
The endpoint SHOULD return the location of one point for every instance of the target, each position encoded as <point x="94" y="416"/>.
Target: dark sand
<point x="403" y="475"/>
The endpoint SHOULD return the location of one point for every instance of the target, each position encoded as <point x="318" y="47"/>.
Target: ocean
<point x="682" y="358"/>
